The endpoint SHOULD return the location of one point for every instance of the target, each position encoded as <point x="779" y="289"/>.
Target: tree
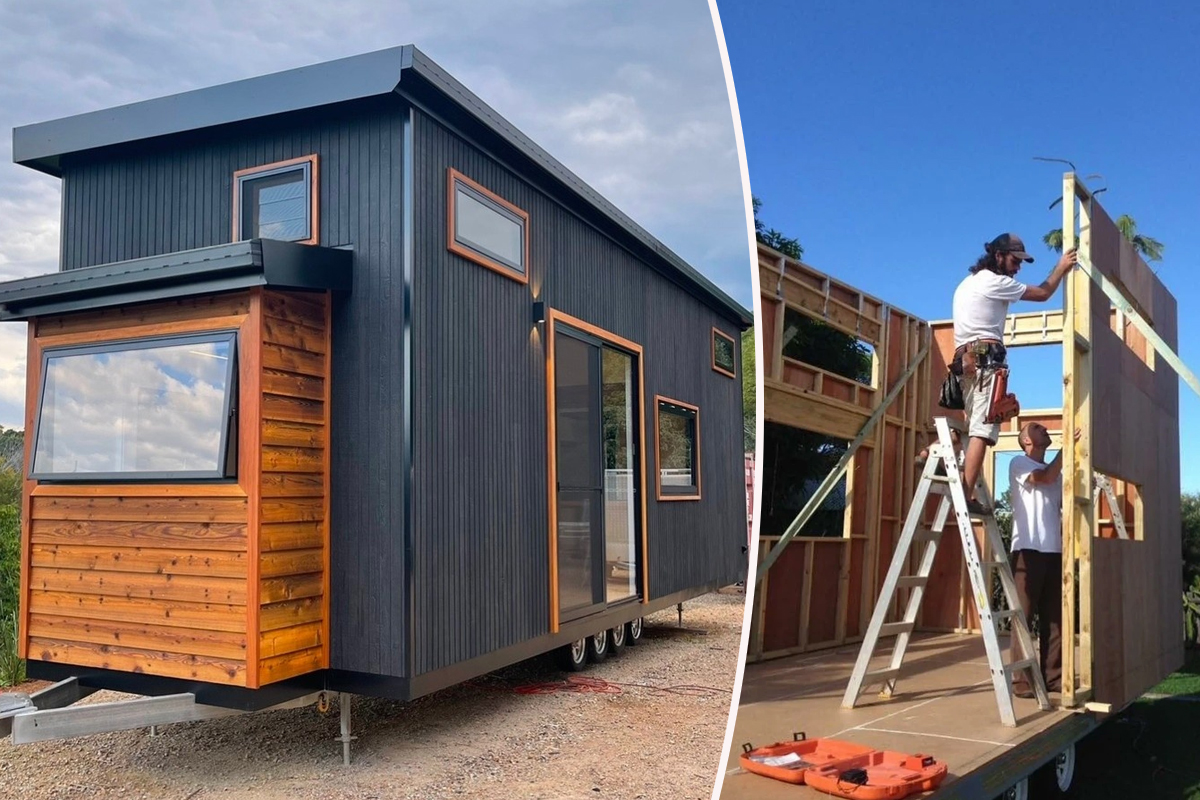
<point x="748" y="396"/>
<point x="772" y="238"/>
<point x="1150" y="248"/>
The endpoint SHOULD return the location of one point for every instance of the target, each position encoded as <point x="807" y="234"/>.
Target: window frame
<point x="227" y="460"/>
<point x="668" y="493"/>
<point x="733" y="344"/>
<point x="479" y="255"/>
<point x="309" y="164"/>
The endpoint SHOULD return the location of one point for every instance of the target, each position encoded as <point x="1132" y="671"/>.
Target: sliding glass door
<point x="598" y="491"/>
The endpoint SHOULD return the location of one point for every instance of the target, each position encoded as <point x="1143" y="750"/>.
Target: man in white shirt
<point x="980" y="307"/>
<point x="1035" y="489"/>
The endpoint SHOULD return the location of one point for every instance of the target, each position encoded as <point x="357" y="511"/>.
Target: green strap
<point x="1118" y="299"/>
<point x="832" y="478"/>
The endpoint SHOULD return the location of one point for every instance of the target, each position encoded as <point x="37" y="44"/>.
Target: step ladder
<point x="941" y="476"/>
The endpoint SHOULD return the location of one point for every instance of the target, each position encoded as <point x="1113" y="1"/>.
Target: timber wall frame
<point x="821" y="590"/>
<point x="1121" y="597"/>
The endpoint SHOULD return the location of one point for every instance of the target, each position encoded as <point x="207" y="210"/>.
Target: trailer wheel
<point x="1019" y="791"/>
<point x="617" y="639"/>
<point x="598" y="647"/>
<point x="1064" y="768"/>
<point x="573" y="657"/>
<point x="633" y="633"/>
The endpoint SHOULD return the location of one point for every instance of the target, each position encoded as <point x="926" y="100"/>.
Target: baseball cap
<point x="1010" y="243"/>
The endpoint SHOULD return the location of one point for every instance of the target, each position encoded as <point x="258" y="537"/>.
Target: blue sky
<point x="894" y="139"/>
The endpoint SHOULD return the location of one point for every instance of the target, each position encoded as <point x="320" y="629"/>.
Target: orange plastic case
<point x="887" y="776"/>
<point x="790" y="761"/>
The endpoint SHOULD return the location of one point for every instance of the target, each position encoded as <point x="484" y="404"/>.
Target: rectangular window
<point x="158" y="408"/>
<point x="723" y="353"/>
<point x="487" y="229"/>
<point x="677" y="439"/>
<point x="277" y="201"/>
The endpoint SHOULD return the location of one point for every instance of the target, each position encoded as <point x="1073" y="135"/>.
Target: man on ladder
<point x="1035" y="489"/>
<point x="981" y="304"/>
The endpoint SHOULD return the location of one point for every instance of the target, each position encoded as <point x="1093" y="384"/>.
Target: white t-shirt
<point x="980" y="305"/>
<point x="1037" y="508"/>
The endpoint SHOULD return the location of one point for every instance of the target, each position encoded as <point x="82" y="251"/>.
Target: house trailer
<point x="344" y="384"/>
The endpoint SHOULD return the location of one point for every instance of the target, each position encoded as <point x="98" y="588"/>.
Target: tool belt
<point x="987" y="355"/>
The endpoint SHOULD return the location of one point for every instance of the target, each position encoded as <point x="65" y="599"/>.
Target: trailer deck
<point x="944" y="706"/>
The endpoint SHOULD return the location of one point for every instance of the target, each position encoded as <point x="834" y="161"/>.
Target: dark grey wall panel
<point x="176" y="195"/>
<point x="480" y="525"/>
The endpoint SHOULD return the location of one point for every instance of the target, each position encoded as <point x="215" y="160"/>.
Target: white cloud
<point x="631" y="97"/>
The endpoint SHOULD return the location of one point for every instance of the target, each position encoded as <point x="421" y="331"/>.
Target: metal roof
<point x="225" y="267"/>
<point x="42" y="145"/>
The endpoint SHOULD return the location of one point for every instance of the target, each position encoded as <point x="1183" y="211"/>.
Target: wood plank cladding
<point x="220" y="582"/>
<point x="292" y="562"/>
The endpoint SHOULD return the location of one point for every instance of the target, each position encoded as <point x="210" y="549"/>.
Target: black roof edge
<point x="41" y="145"/>
<point x="186" y="273"/>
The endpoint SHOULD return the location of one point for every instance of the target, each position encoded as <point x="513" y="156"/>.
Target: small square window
<point x="724" y="348"/>
<point x="277" y="201"/>
<point x="487" y="229"/>
<point x="677" y="442"/>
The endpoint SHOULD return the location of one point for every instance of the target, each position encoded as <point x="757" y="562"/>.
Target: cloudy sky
<point x="630" y="96"/>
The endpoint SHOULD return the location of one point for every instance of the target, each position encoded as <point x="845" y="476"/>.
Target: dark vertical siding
<point x="480" y="527"/>
<point x="177" y="195"/>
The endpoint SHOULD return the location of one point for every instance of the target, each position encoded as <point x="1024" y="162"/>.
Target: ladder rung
<point x="1017" y="666"/>
<point x="1008" y="613"/>
<point x="926" y="535"/>
<point x="892" y="628"/>
<point x="938" y="479"/>
<point x="993" y="564"/>
<point x="880" y="675"/>
<point x="912" y="580"/>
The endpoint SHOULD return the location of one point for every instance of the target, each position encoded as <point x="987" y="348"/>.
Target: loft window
<point x="487" y="229"/>
<point x="277" y="201"/>
<point x="678" y="445"/>
<point x="147" y="409"/>
<point x="723" y="349"/>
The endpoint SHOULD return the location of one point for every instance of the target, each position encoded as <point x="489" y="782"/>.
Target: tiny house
<point x="345" y="384"/>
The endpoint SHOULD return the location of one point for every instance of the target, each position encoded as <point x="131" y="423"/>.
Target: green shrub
<point x="12" y="669"/>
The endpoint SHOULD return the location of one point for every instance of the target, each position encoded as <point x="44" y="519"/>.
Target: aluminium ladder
<point x="941" y="477"/>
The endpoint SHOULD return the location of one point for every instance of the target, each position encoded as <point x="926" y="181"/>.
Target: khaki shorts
<point x="977" y="395"/>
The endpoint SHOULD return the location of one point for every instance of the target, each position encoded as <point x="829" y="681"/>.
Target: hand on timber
<point x="1069" y="259"/>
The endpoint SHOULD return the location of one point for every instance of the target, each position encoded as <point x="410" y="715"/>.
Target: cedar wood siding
<point x="159" y="197"/>
<point x="481" y="550"/>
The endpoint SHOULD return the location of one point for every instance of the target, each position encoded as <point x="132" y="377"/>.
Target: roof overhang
<point x="187" y="273"/>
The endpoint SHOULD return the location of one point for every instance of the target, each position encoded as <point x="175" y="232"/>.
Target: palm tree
<point x="1150" y="248"/>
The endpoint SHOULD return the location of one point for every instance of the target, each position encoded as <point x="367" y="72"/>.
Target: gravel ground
<point x="480" y="739"/>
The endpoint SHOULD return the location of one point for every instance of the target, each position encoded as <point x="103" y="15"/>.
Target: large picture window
<point x="677" y="440"/>
<point x="277" y="201"/>
<point x="487" y="229"/>
<point x="158" y="408"/>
